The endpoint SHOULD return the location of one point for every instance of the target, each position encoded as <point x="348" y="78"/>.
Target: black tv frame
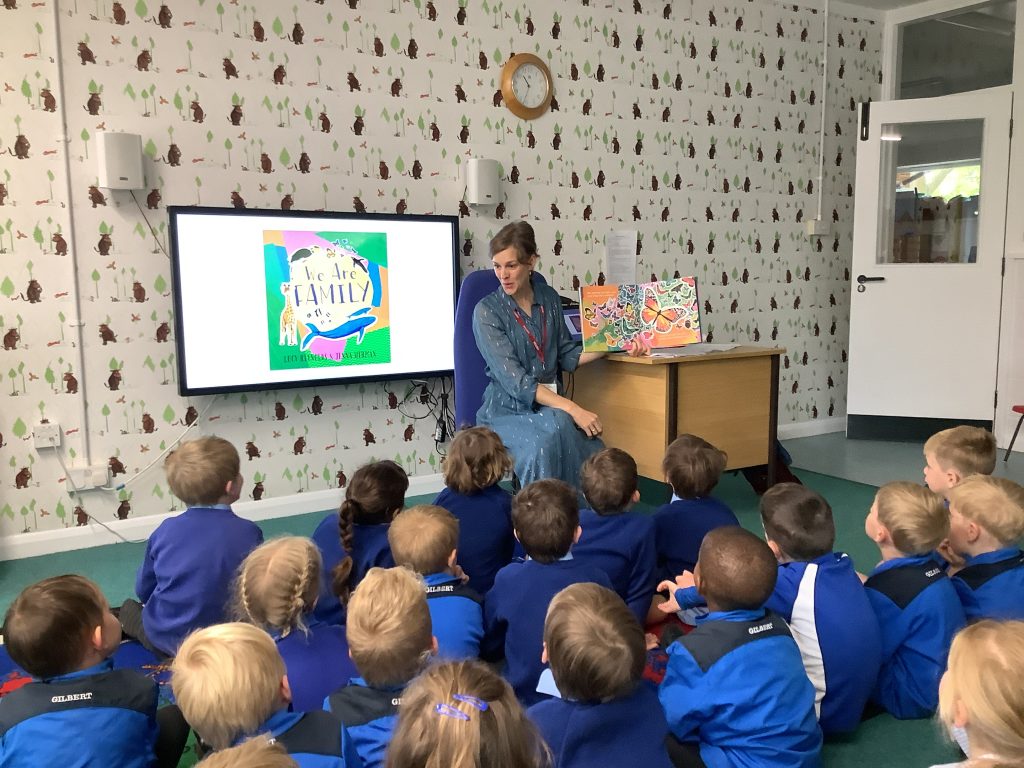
<point x="179" y="333"/>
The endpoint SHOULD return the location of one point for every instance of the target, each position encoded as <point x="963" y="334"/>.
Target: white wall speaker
<point x="119" y="156"/>
<point x="483" y="181"/>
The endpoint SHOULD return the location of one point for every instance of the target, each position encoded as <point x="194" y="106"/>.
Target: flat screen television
<point x="271" y="299"/>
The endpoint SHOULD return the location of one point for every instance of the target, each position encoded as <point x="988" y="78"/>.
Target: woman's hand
<point x="638" y="347"/>
<point x="587" y="421"/>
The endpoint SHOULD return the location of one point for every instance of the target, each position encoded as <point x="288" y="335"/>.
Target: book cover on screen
<point x="327" y="298"/>
<point x="664" y="313"/>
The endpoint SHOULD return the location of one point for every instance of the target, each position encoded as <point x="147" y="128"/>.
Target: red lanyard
<point x="539" y="348"/>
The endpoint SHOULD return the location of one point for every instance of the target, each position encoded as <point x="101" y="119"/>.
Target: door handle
<point x="865" y="279"/>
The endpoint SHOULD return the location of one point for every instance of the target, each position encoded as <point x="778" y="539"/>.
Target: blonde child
<point x="981" y="697"/>
<point x="424" y="539"/>
<point x="986" y="523"/>
<point x="79" y="710"/>
<point x="476" y="463"/>
<point x="231" y="684"/>
<point x="607" y="715"/>
<point x="390" y="640"/>
<point x="356" y="538"/>
<point x="259" y="752"/>
<point x="916" y="604"/>
<point x="191" y="558"/>
<point x="954" y="454"/>
<point x="463" y="715"/>
<point x="276" y="590"/>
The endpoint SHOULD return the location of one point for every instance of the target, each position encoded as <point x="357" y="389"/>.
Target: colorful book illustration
<point x="327" y="298"/>
<point x="664" y="313"/>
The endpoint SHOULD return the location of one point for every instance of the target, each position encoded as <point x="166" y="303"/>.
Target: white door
<point x="930" y="208"/>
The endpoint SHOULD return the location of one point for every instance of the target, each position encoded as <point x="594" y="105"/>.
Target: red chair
<point x="1016" y="409"/>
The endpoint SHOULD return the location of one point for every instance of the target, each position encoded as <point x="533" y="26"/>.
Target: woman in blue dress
<point x="526" y="346"/>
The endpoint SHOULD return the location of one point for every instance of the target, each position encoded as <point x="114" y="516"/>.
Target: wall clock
<point x="526" y="86"/>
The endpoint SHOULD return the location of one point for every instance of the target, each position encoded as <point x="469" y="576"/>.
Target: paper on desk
<point x="620" y="256"/>
<point x="689" y="350"/>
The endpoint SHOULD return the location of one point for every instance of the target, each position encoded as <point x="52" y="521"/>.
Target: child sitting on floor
<point x="981" y="696"/>
<point x="607" y="715"/>
<point x="475" y="464"/>
<point x="356" y="538"/>
<point x="460" y="714"/>
<point x="390" y="640"/>
<point x="191" y="558"/>
<point x="277" y="590"/>
<point x="424" y="538"/>
<point x="735" y="691"/>
<point x="80" y="710"/>
<point x="258" y="752"/>
<point x="619" y="542"/>
<point x="231" y="684"/>
<point x="819" y="593"/>
<point x="916" y="604"/>
<point x="957" y="453"/>
<point x="986" y="523"/>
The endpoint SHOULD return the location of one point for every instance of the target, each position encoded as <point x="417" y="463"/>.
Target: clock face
<point x="530" y="85"/>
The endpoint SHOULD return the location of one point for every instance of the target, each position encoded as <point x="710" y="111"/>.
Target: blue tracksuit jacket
<point x="457" y="616"/>
<point x="185" y="578"/>
<point x="370" y="549"/>
<point x="836" y="630"/>
<point x="95" y="718"/>
<point x="621" y="545"/>
<point x="317" y="662"/>
<point x="514" y="612"/>
<point x="679" y="529"/>
<point x="369" y="715"/>
<point x="313" y="739"/>
<point x="628" y="731"/>
<point x="918" y="612"/>
<point x="736" y="685"/>
<point x="991" y="585"/>
<point x="486" y="541"/>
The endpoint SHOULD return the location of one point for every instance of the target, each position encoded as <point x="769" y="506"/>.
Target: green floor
<point x="881" y="741"/>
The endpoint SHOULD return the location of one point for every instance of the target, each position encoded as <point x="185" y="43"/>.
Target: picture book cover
<point x="327" y="298"/>
<point x="664" y="313"/>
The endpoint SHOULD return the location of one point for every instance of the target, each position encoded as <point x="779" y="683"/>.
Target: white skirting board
<point x="23" y="545"/>
<point x="813" y="427"/>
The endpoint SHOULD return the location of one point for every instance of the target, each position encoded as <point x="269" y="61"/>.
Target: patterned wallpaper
<point x="693" y="122"/>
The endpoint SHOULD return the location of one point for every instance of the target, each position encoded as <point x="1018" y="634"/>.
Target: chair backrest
<point x="470" y="376"/>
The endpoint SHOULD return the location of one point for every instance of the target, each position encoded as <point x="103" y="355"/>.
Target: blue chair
<point x="470" y="375"/>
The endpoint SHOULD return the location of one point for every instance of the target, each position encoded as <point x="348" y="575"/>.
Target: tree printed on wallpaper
<point x="694" y="123"/>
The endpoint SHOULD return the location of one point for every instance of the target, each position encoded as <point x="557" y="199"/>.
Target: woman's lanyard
<point x="538" y="348"/>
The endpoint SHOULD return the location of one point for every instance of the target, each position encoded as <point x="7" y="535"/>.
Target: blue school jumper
<point x="370" y="549"/>
<point x="457" y="616"/>
<point x="736" y="685"/>
<point x="317" y="662"/>
<point x="626" y="731"/>
<point x="836" y="630"/>
<point x="679" y="528"/>
<point x="95" y="718"/>
<point x="312" y="739"/>
<point x="918" y="612"/>
<point x="622" y="545"/>
<point x="486" y="541"/>
<point x="185" y="578"/>
<point x="991" y="585"/>
<point x="369" y="715"/>
<point x="514" y="612"/>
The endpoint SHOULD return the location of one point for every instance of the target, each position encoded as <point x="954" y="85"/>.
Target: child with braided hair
<point x="277" y="589"/>
<point x="355" y="539"/>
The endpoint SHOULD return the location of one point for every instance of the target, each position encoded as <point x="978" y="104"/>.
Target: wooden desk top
<point x="736" y="352"/>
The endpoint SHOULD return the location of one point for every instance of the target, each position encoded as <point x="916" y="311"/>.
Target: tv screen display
<point x="271" y="299"/>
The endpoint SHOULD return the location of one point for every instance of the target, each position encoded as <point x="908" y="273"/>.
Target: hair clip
<point x="449" y="711"/>
<point x="473" y="701"/>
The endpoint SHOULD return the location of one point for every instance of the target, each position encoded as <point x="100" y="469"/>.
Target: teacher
<point x="525" y="344"/>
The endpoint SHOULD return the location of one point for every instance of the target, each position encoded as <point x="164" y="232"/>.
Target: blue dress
<point x="544" y="442"/>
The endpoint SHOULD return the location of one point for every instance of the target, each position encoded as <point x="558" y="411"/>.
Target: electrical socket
<point x="87" y="478"/>
<point x="46" y="434"/>
<point x="818" y="227"/>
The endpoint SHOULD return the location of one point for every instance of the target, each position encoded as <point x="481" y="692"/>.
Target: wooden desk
<point x="728" y="398"/>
